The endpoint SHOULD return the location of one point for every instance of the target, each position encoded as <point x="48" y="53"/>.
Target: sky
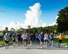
<point x="37" y="13"/>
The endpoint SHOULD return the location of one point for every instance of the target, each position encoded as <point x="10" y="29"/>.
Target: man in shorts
<point x="41" y="36"/>
<point x="46" y="39"/>
<point x="31" y="38"/>
<point x="51" y="36"/>
<point x="37" y="38"/>
<point x="60" y="38"/>
<point x="14" y="39"/>
<point x="19" y="38"/>
<point x="25" y="38"/>
<point x="6" y="40"/>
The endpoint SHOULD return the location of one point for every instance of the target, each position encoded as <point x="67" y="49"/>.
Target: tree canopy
<point x="62" y="20"/>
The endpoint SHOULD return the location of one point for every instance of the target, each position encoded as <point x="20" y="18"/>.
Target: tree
<point x="3" y="31"/>
<point x="12" y="29"/>
<point x="6" y="29"/>
<point x="21" y="30"/>
<point x="62" y="20"/>
<point x="29" y="29"/>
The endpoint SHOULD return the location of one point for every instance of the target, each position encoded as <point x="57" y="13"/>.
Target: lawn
<point x="1" y="42"/>
<point x="64" y="42"/>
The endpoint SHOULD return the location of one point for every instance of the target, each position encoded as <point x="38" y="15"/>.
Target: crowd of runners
<point x="43" y="39"/>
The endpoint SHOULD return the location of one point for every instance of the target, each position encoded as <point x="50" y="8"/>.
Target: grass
<point x="2" y="42"/>
<point x="64" y="42"/>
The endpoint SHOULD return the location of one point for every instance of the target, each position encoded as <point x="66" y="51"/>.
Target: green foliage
<point x="65" y="40"/>
<point x="21" y="30"/>
<point x="62" y="20"/>
<point x="47" y="29"/>
<point x="6" y="29"/>
<point x="3" y="31"/>
<point x="66" y="32"/>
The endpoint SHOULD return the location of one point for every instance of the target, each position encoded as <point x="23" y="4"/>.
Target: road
<point x="34" y="49"/>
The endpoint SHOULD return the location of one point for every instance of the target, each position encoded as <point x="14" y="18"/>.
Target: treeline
<point x="48" y="29"/>
<point x="35" y="30"/>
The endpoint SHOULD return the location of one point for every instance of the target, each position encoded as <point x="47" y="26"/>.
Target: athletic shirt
<point x="6" y="37"/>
<point x="45" y="36"/>
<point x="60" y="37"/>
<point x="41" y="36"/>
<point x="19" y="35"/>
<point x="31" y="35"/>
<point x="51" y="36"/>
<point x="37" y="35"/>
<point x="25" y="36"/>
<point x="13" y="37"/>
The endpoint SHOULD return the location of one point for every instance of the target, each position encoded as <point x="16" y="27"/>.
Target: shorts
<point x="6" y="41"/>
<point x="46" y="40"/>
<point x="60" y="41"/>
<point x="13" y="40"/>
<point x="51" y="39"/>
<point x="19" y="39"/>
<point x="37" y="39"/>
<point x="42" y="40"/>
<point x="31" y="39"/>
<point x="25" y="40"/>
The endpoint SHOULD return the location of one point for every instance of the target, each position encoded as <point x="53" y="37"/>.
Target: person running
<point x="14" y="39"/>
<point x="6" y="40"/>
<point x="19" y="38"/>
<point x="25" y="38"/>
<point x="31" y="38"/>
<point x="60" y="38"/>
<point x="22" y="37"/>
<point x="37" y="37"/>
<point x="51" y="36"/>
<point x="41" y="36"/>
<point x="45" y="39"/>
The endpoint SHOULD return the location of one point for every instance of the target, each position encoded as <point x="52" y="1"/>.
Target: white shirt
<point x="45" y="36"/>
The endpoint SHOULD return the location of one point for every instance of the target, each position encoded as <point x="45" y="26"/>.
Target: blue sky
<point x="14" y="10"/>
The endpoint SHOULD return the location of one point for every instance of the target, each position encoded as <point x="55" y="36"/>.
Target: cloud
<point x="32" y="18"/>
<point x="33" y="15"/>
<point x="16" y="25"/>
<point x="44" y="24"/>
<point x="54" y="23"/>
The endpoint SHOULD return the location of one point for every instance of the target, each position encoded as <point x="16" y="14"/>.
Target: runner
<point x="31" y="38"/>
<point x="19" y="38"/>
<point x="37" y="37"/>
<point x="41" y="36"/>
<point x="14" y="39"/>
<point x="60" y="37"/>
<point x="51" y="36"/>
<point x="22" y="37"/>
<point x="45" y="39"/>
<point x="25" y="38"/>
<point x="6" y="40"/>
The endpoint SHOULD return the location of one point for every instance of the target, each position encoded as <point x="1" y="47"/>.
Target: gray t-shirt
<point x="45" y="36"/>
<point x="25" y="36"/>
<point x="6" y="37"/>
